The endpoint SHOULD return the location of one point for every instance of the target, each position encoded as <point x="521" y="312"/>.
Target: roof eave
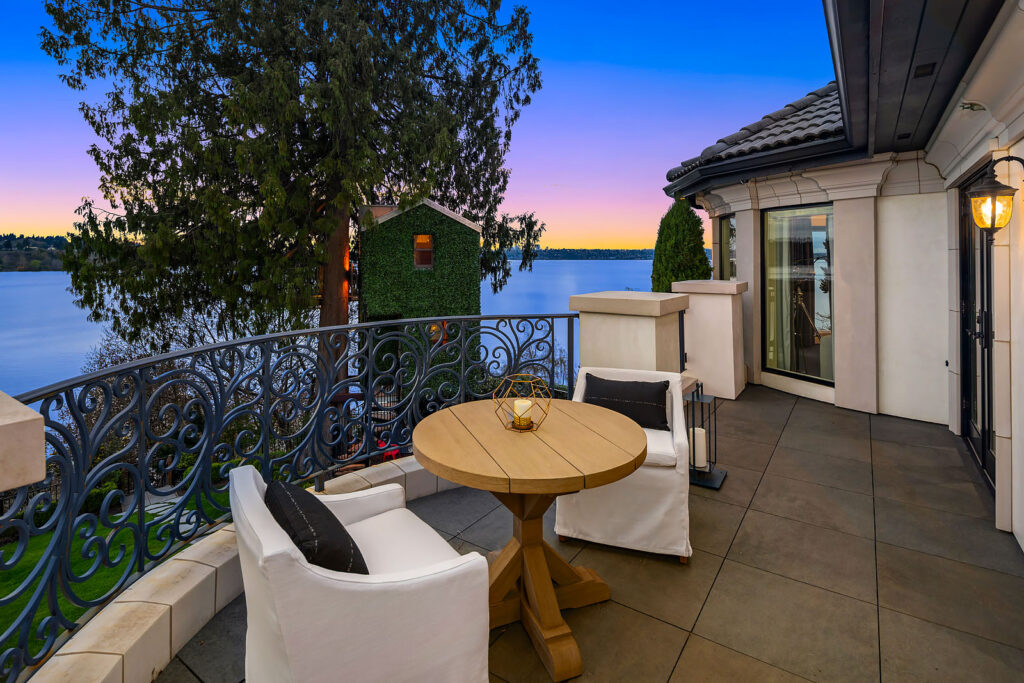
<point x="761" y="164"/>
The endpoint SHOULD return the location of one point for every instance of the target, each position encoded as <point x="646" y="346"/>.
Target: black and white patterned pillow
<point x="314" y="529"/>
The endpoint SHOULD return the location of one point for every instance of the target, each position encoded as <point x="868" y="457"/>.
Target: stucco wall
<point x="912" y="266"/>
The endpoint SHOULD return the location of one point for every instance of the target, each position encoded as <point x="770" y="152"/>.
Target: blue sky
<point x="627" y="94"/>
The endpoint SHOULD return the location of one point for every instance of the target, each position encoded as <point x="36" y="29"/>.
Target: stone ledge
<point x="189" y="589"/>
<point x="82" y="667"/>
<point x="710" y="286"/>
<point x="648" y="304"/>
<point x="406" y="471"/>
<point x="22" y="444"/>
<point x="139" y="633"/>
<point x="219" y="551"/>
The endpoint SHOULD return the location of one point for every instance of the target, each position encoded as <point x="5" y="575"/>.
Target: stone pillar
<point x="714" y="334"/>
<point x="854" y="326"/>
<point x="22" y="444"/>
<point x="636" y="330"/>
<point x="748" y="269"/>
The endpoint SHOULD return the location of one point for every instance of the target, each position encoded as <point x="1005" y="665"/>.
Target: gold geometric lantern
<point x="522" y="402"/>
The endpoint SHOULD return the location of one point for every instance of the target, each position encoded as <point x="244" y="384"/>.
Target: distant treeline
<point x="18" y="252"/>
<point x="516" y="253"/>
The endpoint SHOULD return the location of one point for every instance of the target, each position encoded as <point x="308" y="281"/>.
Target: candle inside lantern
<point x="701" y="440"/>
<point x="521" y="409"/>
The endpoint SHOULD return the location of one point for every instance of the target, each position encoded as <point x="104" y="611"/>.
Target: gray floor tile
<point x="958" y="537"/>
<point x="464" y="547"/>
<point x="829" y="419"/>
<point x="737" y="489"/>
<point x="749" y="455"/>
<point x="815" y="504"/>
<point x="825" y="558"/>
<point x="703" y="661"/>
<point x="963" y="597"/>
<point x="657" y="585"/>
<point x="738" y="426"/>
<point x="217" y="653"/>
<point x="827" y="470"/>
<point x="816" y="440"/>
<point x="616" y="644"/>
<point x="761" y="404"/>
<point x="944" y="463"/>
<point x="453" y="510"/>
<point x="713" y="524"/>
<point x="800" y="628"/>
<point x="911" y="432"/>
<point x="929" y="489"/>
<point x="492" y="531"/>
<point x="916" y="650"/>
<point x="176" y="672"/>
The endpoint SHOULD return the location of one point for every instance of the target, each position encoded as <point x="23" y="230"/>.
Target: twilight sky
<point x="626" y="96"/>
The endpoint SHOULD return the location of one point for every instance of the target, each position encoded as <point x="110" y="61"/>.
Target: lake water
<point x="44" y="337"/>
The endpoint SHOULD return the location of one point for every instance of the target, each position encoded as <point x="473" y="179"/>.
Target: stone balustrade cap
<point x="22" y="444"/>
<point x="649" y="304"/>
<point x="710" y="286"/>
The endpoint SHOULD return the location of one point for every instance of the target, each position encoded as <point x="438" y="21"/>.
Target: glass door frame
<point x="764" y="294"/>
<point x="976" y="340"/>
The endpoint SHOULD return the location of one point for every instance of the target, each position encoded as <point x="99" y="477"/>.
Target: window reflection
<point x="798" y="291"/>
<point x="727" y="249"/>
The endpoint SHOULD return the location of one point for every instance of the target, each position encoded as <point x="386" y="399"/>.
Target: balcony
<point x="841" y="546"/>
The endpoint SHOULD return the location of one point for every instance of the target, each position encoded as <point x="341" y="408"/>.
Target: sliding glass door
<point x="797" y="272"/>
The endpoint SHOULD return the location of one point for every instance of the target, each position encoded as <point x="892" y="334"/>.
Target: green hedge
<point x="392" y="288"/>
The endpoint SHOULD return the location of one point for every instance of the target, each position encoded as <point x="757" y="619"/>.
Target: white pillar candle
<point x="521" y="409"/>
<point x="700" y="438"/>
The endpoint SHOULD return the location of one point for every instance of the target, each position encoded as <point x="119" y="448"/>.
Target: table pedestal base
<point x="530" y="582"/>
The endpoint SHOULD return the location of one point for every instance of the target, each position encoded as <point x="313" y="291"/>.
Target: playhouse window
<point x="423" y="251"/>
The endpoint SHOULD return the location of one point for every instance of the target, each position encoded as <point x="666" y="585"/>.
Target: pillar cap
<point x="22" y="444"/>
<point x="648" y="304"/>
<point x="710" y="286"/>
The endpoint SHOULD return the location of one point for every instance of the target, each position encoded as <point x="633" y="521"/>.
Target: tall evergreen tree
<point x="240" y="137"/>
<point x="679" y="252"/>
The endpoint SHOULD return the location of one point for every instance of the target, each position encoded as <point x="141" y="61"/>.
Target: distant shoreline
<point x="585" y="254"/>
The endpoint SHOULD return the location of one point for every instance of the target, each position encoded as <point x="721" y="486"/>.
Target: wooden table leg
<point x="523" y="580"/>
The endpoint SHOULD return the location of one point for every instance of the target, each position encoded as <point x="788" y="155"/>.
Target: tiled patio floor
<point x="841" y="547"/>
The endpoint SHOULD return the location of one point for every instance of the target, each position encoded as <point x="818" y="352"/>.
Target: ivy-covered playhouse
<point x="419" y="262"/>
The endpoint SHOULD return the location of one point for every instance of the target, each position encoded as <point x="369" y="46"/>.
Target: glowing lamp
<point x="991" y="202"/>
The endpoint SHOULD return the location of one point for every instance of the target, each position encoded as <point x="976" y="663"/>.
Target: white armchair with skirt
<point x="420" y="614"/>
<point x="649" y="509"/>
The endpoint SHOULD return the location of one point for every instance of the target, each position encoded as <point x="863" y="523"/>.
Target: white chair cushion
<point x="398" y="540"/>
<point x="660" y="452"/>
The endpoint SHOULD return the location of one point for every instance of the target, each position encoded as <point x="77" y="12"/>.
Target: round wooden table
<point x="578" y="446"/>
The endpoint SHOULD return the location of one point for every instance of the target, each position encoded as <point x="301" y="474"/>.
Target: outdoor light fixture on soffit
<point x="991" y="200"/>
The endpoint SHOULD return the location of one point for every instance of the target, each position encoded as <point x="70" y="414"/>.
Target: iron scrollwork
<point x="138" y="455"/>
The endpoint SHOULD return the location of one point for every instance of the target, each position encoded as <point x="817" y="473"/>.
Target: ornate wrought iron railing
<point x="138" y="455"/>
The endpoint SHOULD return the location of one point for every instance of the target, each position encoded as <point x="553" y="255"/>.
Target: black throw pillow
<point x="642" y="402"/>
<point x="314" y="529"/>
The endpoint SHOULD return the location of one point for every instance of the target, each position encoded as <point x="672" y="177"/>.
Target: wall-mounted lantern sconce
<point x="991" y="200"/>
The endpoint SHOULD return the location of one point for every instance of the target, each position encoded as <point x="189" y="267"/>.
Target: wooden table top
<point x="578" y="446"/>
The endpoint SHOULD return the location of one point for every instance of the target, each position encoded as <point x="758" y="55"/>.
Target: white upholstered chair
<point x="649" y="509"/>
<point x="421" y="614"/>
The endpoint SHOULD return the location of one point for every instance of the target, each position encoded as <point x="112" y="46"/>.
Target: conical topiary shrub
<point x="679" y="252"/>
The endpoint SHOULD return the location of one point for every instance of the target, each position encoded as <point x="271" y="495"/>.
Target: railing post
<point x="554" y="352"/>
<point x="463" y="331"/>
<point x="570" y="374"/>
<point x="268" y="468"/>
<point x="143" y="544"/>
